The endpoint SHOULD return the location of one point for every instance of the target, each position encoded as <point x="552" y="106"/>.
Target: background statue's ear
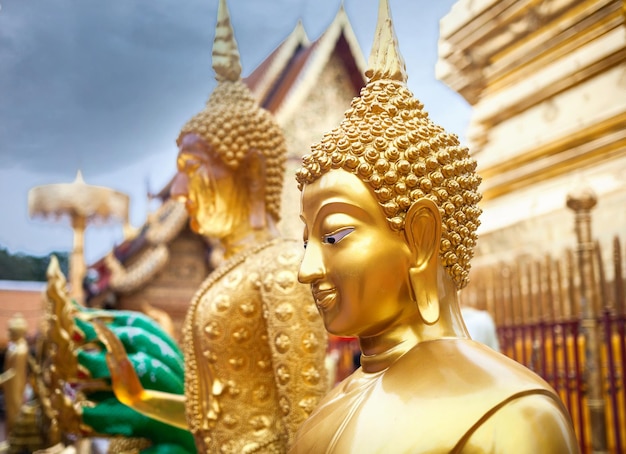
<point x="422" y="228"/>
<point x="255" y="175"/>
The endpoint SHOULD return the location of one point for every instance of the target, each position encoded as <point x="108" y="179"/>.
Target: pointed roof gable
<point x="264" y="76"/>
<point x="287" y="76"/>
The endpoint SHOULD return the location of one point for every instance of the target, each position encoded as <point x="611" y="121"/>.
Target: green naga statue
<point x="72" y="380"/>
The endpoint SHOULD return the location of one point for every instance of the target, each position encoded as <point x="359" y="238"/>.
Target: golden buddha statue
<point x="254" y="344"/>
<point x="389" y="203"/>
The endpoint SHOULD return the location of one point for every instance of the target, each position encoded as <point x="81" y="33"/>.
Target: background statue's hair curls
<point x="233" y="124"/>
<point x="388" y="141"/>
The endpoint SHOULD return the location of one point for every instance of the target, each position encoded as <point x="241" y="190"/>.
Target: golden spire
<point x="385" y="61"/>
<point x="226" y="62"/>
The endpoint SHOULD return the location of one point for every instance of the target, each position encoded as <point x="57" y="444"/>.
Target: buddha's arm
<point x="527" y="425"/>
<point x="161" y="406"/>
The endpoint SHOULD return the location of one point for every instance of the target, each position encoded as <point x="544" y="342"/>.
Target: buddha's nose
<point x="312" y="265"/>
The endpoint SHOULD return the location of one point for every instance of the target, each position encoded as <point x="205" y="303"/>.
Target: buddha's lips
<point x="325" y="298"/>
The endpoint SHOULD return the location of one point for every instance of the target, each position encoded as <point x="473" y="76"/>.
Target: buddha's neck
<point x="381" y="351"/>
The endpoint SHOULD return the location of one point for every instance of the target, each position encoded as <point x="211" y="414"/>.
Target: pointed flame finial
<point x="385" y="61"/>
<point x="226" y="61"/>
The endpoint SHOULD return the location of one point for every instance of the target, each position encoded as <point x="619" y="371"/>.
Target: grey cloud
<point x="101" y="84"/>
<point x="82" y="80"/>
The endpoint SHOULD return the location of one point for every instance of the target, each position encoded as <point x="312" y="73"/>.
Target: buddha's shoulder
<point x="462" y="366"/>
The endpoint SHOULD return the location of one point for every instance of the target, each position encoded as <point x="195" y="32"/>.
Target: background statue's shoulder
<point x="285" y="254"/>
<point x="278" y="270"/>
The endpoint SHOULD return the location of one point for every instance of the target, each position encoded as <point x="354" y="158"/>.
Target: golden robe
<point x="443" y="396"/>
<point x="254" y="353"/>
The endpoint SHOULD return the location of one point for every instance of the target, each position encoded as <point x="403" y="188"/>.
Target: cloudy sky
<point x="105" y="86"/>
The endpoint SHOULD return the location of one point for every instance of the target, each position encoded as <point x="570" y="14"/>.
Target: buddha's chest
<point x="373" y="419"/>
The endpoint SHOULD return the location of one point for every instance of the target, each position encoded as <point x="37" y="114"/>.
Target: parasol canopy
<point x="94" y="204"/>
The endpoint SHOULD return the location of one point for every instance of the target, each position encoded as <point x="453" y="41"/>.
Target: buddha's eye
<point x="336" y="237"/>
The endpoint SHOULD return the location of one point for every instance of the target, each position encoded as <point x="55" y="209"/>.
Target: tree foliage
<point x="22" y="267"/>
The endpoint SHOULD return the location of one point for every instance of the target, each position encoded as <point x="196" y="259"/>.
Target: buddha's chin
<point x="213" y="228"/>
<point x="332" y="328"/>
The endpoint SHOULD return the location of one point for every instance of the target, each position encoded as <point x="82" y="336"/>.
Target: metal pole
<point x="77" y="260"/>
<point x="582" y="203"/>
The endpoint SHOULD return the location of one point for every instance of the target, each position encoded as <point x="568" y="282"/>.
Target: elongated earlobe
<point x="255" y="163"/>
<point x="422" y="229"/>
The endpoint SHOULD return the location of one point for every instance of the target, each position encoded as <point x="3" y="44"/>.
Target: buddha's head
<point x="388" y="199"/>
<point x="231" y="154"/>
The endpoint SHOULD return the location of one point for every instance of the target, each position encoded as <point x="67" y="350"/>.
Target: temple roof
<point x="284" y="79"/>
<point x="265" y="76"/>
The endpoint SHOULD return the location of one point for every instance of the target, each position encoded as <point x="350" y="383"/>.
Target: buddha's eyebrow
<point x="334" y="207"/>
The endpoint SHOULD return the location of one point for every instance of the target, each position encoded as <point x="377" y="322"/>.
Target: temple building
<point x="159" y="269"/>
<point x="547" y="83"/>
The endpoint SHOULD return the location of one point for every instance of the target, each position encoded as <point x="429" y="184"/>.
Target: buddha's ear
<point x="422" y="228"/>
<point x="255" y="180"/>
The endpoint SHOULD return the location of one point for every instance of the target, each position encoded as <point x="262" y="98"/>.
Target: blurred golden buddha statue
<point x="389" y="203"/>
<point x="16" y="361"/>
<point x="254" y="344"/>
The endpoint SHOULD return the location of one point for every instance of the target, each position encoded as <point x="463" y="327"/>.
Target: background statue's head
<point x="17" y="326"/>
<point x="388" y="141"/>
<point x="234" y="128"/>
